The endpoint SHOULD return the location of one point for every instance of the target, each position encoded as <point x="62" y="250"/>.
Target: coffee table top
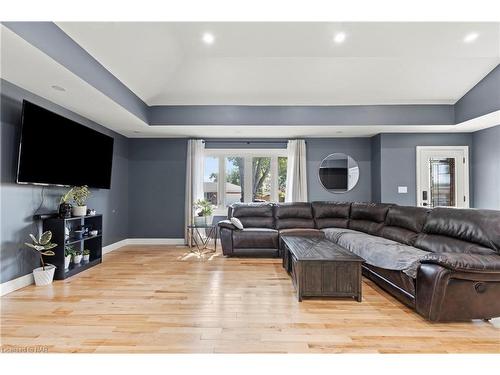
<point x="306" y="248"/>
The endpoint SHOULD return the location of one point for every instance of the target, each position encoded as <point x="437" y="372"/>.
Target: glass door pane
<point x="211" y="178"/>
<point x="442" y="182"/>
<point x="282" y="165"/>
<point x="261" y="179"/>
<point x="235" y="180"/>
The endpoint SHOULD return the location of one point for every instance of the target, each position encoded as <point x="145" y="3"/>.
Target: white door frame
<point x="464" y="149"/>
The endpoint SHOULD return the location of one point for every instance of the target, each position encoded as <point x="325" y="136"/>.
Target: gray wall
<point x="485" y="163"/>
<point x="397" y="165"/>
<point x="19" y="202"/>
<point x="376" y="155"/>
<point x="481" y="99"/>
<point x="358" y="148"/>
<point x="157" y="178"/>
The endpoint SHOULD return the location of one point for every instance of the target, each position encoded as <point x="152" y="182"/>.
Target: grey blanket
<point x="378" y="251"/>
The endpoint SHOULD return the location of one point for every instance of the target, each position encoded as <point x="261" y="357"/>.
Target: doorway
<point x="443" y="176"/>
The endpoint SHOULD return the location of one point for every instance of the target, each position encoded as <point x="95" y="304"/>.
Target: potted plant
<point x="68" y="254"/>
<point x="65" y="206"/>
<point x="45" y="274"/>
<point x="79" y="196"/>
<point x="205" y="211"/>
<point x="77" y="257"/>
<point x="86" y="255"/>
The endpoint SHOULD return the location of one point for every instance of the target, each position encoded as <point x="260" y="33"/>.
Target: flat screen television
<point x="55" y="150"/>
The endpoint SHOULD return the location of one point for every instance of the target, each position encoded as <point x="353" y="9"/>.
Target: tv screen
<point x="55" y="150"/>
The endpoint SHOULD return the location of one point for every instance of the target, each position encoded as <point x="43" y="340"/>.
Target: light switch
<point x="402" y="189"/>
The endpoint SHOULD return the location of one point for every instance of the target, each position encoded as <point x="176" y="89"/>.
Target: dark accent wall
<point x="486" y="168"/>
<point x="358" y="148"/>
<point x="376" y="155"/>
<point x="157" y="179"/>
<point x="19" y="202"/>
<point x="397" y="166"/>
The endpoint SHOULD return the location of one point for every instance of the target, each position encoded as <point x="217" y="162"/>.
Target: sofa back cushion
<point x="403" y="224"/>
<point x="253" y="215"/>
<point x="368" y="217"/>
<point x="293" y="215"/>
<point x="331" y="214"/>
<point x="460" y="230"/>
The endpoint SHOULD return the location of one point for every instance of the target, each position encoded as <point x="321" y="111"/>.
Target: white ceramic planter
<point x="77" y="259"/>
<point x="86" y="258"/>
<point x="44" y="277"/>
<point x="67" y="261"/>
<point x="79" y="210"/>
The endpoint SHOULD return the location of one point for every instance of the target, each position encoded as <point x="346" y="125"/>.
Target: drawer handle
<point x="480" y="287"/>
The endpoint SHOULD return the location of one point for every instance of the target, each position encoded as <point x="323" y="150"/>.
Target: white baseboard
<point x="23" y="281"/>
<point x="15" y="284"/>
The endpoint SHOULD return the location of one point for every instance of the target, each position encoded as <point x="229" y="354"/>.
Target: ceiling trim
<point x="50" y="39"/>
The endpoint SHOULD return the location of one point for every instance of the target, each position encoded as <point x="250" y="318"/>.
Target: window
<point x="244" y="176"/>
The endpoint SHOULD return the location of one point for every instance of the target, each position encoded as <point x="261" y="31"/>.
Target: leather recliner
<point x="457" y="279"/>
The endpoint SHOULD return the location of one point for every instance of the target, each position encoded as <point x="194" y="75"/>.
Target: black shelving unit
<point x="59" y="236"/>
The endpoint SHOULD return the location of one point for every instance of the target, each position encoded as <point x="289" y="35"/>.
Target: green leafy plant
<point x="66" y="198"/>
<point x="86" y="252"/>
<point x="69" y="250"/>
<point x="80" y="194"/>
<point x="206" y="208"/>
<point x="42" y="245"/>
<point x="77" y="252"/>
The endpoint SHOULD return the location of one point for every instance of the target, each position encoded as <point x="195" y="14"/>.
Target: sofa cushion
<point x="481" y="227"/>
<point x="403" y="224"/>
<point x="255" y="238"/>
<point x="305" y="232"/>
<point x="443" y="244"/>
<point x="378" y="251"/>
<point x="368" y="217"/>
<point x="294" y="215"/>
<point x="331" y="214"/>
<point x="253" y="215"/>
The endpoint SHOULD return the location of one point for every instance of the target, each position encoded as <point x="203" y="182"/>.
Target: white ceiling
<point x="26" y="66"/>
<point x="292" y="63"/>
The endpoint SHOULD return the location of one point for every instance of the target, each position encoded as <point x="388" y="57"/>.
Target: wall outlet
<point x="402" y="189"/>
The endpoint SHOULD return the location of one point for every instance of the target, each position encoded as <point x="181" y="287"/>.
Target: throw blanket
<point x="378" y="251"/>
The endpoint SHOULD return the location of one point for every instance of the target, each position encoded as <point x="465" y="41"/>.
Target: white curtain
<point x="296" y="173"/>
<point x="194" y="179"/>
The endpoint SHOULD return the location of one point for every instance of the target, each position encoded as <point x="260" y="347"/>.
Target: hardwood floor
<point x="160" y="299"/>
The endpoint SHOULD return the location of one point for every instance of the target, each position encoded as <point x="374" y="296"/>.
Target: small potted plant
<point x="77" y="257"/>
<point x="79" y="196"/>
<point x="45" y="274"/>
<point x="64" y="205"/>
<point x="205" y="211"/>
<point x="68" y="254"/>
<point x="86" y="255"/>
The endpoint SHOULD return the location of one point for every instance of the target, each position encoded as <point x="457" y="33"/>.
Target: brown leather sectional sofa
<point x="444" y="263"/>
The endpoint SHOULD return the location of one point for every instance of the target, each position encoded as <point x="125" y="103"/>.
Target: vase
<point x="44" y="276"/>
<point x="65" y="210"/>
<point x="79" y="210"/>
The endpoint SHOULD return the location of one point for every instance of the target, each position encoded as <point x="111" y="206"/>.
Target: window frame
<point x="248" y="155"/>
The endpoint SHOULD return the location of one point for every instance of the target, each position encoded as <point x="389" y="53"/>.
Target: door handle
<point x="424" y="195"/>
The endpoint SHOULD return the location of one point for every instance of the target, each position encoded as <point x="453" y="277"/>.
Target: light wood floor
<point x="157" y="299"/>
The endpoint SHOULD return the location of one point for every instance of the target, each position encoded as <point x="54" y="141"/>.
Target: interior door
<point x="442" y="176"/>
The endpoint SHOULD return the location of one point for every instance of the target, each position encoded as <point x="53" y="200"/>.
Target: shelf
<point x="72" y="241"/>
<point x="81" y="217"/>
<point x="73" y="270"/>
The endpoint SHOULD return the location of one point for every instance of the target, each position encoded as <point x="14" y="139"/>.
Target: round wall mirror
<point x="338" y="173"/>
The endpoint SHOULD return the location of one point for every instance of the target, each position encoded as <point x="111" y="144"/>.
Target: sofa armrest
<point x="462" y="262"/>
<point x="226" y="224"/>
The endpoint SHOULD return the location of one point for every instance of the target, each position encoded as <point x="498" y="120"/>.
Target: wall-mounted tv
<point x="55" y="150"/>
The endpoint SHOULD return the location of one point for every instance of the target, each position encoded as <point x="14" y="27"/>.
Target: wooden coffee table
<point x="321" y="268"/>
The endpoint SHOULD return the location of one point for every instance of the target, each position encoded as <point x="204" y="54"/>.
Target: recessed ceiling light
<point x="339" y="37"/>
<point x="208" y="38"/>
<point x="471" y="37"/>
<point x="137" y="132"/>
<point x="339" y="132"/>
<point x="58" y="88"/>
